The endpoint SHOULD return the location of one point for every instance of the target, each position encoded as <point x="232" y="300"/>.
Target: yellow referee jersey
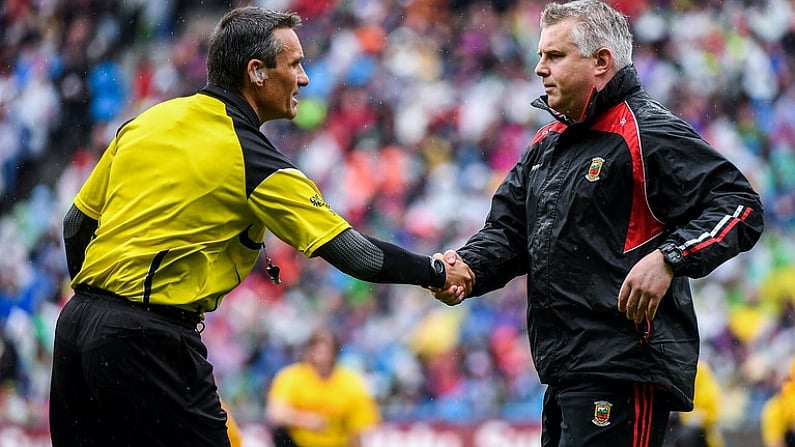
<point x="183" y="196"/>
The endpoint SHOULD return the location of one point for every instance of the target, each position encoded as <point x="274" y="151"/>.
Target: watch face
<point x="672" y="255"/>
<point x="438" y="266"/>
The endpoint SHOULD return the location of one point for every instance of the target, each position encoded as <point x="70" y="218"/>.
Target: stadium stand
<point x="415" y="110"/>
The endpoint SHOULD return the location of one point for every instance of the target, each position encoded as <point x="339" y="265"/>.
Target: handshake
<point x="460" y="279"/>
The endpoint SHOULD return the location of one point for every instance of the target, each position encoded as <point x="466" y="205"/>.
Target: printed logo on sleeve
<point x="318" y="202"/>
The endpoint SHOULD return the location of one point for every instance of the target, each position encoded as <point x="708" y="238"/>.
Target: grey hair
<point x="241" y="35"/>
<point x="597" y="26"/>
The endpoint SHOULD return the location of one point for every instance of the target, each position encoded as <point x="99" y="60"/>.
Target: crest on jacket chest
<point x="594" y="169"/>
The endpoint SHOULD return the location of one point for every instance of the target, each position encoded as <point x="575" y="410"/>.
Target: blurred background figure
<point x="235" y="437"/>
<point x="778" y="415"/>
<point x="317" y="403"/>
<point x="700" y="427"/>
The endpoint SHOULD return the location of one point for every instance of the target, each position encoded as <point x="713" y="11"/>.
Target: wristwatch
<point x="672" y="255"/>
<point x="438" y="271"/>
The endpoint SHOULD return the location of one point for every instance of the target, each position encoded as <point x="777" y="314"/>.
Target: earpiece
<point x="258" y="75"/>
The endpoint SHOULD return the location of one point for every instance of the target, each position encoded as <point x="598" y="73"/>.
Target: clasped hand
<point x="460" y="279"/>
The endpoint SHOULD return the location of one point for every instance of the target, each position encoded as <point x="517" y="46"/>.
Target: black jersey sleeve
<point x="78" y="230"/>
<point x="370" y="259"/>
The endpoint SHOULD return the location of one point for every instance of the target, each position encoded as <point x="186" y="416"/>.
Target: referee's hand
<point x="460" y="279"/>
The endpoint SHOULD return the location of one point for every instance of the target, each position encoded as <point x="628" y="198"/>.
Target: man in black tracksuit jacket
<point x="626" y="184"/>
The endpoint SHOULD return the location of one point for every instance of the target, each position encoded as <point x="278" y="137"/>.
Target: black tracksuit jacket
<point x="585" y="202"/>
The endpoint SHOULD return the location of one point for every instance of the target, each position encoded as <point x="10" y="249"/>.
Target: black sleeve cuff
<point x="402" y="266"/>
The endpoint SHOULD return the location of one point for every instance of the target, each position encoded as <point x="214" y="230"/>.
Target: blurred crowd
<point x="415" y="110"/>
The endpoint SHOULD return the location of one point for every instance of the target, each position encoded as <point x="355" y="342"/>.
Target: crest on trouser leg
<point x="601" y="413"/>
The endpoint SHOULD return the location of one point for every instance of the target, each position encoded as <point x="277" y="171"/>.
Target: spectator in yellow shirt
<point x="317" y="403"/>
<point x="778" y="415"/>
<point x="699" y="428"/>
<point x="235" y="437"/>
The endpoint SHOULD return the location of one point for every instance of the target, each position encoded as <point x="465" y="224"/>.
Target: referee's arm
<point x="373" y="260"/>
<point x="363" y="257"/>
<point x="78" y="230"/>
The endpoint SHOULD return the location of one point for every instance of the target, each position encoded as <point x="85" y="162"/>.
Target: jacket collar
<point x="233" y="99"/>
<point x="624" y="84"/>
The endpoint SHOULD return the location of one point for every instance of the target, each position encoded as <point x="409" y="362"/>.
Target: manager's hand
<point x="460" y="279"/>
<point x="644" y="287"/>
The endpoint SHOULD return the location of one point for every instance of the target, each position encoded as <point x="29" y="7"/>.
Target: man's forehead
<point x="557" y="36"/>
<point x="291" y="52"/>
<point x="290" y="43"/>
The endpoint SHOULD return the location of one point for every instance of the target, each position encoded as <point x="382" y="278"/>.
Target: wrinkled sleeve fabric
<point x="498" y="252"/>
<point x="708" y="206"/>
<point x="293" y="209"/>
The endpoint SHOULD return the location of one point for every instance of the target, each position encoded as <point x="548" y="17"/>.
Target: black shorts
<point x="125" y="374"/>
<point x="605" y="415"/>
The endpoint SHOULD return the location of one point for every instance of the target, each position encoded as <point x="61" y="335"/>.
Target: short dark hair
<point x="241" y="35"/>
<point x="324" y="335"/>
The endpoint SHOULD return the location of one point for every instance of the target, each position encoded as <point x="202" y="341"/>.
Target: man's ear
<point x="604" y="60"/>
<point x="256" y="71"/>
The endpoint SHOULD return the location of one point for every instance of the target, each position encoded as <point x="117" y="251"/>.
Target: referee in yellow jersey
<point x="171" y="219"/>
